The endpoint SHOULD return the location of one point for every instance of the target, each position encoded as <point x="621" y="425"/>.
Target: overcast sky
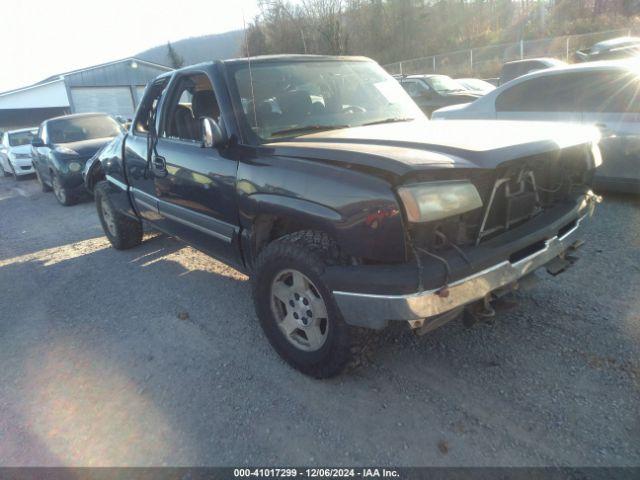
<point x="39" y="38"/>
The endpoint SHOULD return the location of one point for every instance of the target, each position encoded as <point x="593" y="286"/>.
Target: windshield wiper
<point x="389" y="120"/>
<point x="308" y="128"/>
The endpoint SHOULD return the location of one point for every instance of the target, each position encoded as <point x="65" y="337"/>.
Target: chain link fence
<point x="485" y="62"/>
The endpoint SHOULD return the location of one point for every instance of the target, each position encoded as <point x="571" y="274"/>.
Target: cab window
<point x="192" y="100"/>
<point x="147" y="111"/>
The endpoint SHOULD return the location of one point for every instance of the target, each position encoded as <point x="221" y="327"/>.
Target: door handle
<point x="160" y="164"/>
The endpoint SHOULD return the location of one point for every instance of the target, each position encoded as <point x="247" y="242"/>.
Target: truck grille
<point x="511" y="194"/>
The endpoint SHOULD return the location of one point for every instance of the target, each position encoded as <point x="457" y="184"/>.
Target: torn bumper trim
<point x="374" y="311"/>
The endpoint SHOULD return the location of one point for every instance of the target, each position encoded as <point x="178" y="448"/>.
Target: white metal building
<point x="114" y="88"/>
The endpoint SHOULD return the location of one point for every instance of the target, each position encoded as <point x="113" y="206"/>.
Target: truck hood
<point x="405" y="147"/>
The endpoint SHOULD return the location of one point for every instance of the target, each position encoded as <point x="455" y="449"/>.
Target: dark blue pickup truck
<point x="321" y="179"/>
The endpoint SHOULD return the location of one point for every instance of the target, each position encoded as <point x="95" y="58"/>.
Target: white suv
<point x="15" y="152"/>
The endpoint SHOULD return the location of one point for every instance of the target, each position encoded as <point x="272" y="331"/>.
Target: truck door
<point x="138" y="146"/>
<point x="195" y="186"/>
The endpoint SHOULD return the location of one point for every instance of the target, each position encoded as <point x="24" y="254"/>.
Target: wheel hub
<point x="299" y="310"/>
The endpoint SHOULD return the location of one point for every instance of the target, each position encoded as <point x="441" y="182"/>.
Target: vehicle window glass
<point x="147" y="110"/>
<point x="553" y="93"/>
<point x="284" y="99"/>
<point x="509" y="72"/>
<point x="191" y="100"/>
<point x="444" y="84"/>
<point x="18" y="139"/>
<point x="40" y="133"/>
<point x="413" y="88"/>
<point x="76" y="129"/>
<point x="611" y="92"/>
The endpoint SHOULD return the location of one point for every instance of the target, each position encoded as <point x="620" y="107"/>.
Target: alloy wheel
<point x="107" y="215"/>
<point x="59" y="192"/>
<point x="300" y="311"/>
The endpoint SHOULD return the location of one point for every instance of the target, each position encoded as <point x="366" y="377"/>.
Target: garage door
<point x="139" y="93"/>
<point x="112" y="100"/>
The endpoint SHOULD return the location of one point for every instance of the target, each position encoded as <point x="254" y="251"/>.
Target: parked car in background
<point x="63" y="145"/>
<point x="615" y="48"/>
<point x="517" y="68"/>
<point x="15" y="152"/>
<point x="321" y="179"/>
<point x="476" y="85"/>
<point x="431" y="92"/>
<point x="604" y="94"/>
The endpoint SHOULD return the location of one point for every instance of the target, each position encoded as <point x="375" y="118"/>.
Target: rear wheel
<point x="296" y="309"/>
<point x="123" y="232"/>
<point x="62" y="194"/>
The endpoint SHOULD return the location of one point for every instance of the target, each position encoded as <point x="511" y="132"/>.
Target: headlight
<point x="425" y="202"/>
<point x="65" y="150"/>
<point x="75" y="166"/>
<point x="19" y="156"/>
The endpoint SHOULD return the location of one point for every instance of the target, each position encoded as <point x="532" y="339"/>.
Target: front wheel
<point x="62" y="194"/>
<point x="296" y="309"/>
<point x="123" y="232"/>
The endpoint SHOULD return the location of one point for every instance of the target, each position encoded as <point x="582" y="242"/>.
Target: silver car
<point x="15" y="152"/>
<point x="604" y="94"/>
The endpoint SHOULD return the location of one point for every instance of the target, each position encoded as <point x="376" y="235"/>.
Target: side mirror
<point x="212" y="134"/>
<point x="37" y="142"/>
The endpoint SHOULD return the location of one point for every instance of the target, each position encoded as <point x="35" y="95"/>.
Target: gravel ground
<point x="154" y="356"/>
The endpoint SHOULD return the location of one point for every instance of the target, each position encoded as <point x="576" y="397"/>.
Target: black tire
<point x="63" y="195"/>
<point x="43" y="186"/>
<point x="122" y="231"/>
<point x="307" y="252"/>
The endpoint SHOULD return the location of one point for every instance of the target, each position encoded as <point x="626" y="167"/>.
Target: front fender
<point x="358" y="210"/>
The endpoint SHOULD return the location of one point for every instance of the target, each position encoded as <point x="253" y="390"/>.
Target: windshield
<point x="76" y="129"/>
<point x="295" y="98"/>
<point x="21" y="138"/>
<point x="442" y="83"/>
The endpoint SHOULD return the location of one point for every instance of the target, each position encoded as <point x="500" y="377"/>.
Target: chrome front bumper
<point x="378" y="309"/>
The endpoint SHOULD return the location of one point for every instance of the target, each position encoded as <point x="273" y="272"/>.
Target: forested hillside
<point x="197" y="49"/>
<point x="392" y="30"/>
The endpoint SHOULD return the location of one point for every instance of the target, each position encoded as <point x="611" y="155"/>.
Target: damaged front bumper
<point x="375" y="310"/>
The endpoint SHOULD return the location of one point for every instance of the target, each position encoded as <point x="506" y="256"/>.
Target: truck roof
<point x="295" y="58"/>
<point x="273" y="59"/>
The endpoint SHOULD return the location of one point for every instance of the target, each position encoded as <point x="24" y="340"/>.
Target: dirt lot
<point x="153" y="356"/>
